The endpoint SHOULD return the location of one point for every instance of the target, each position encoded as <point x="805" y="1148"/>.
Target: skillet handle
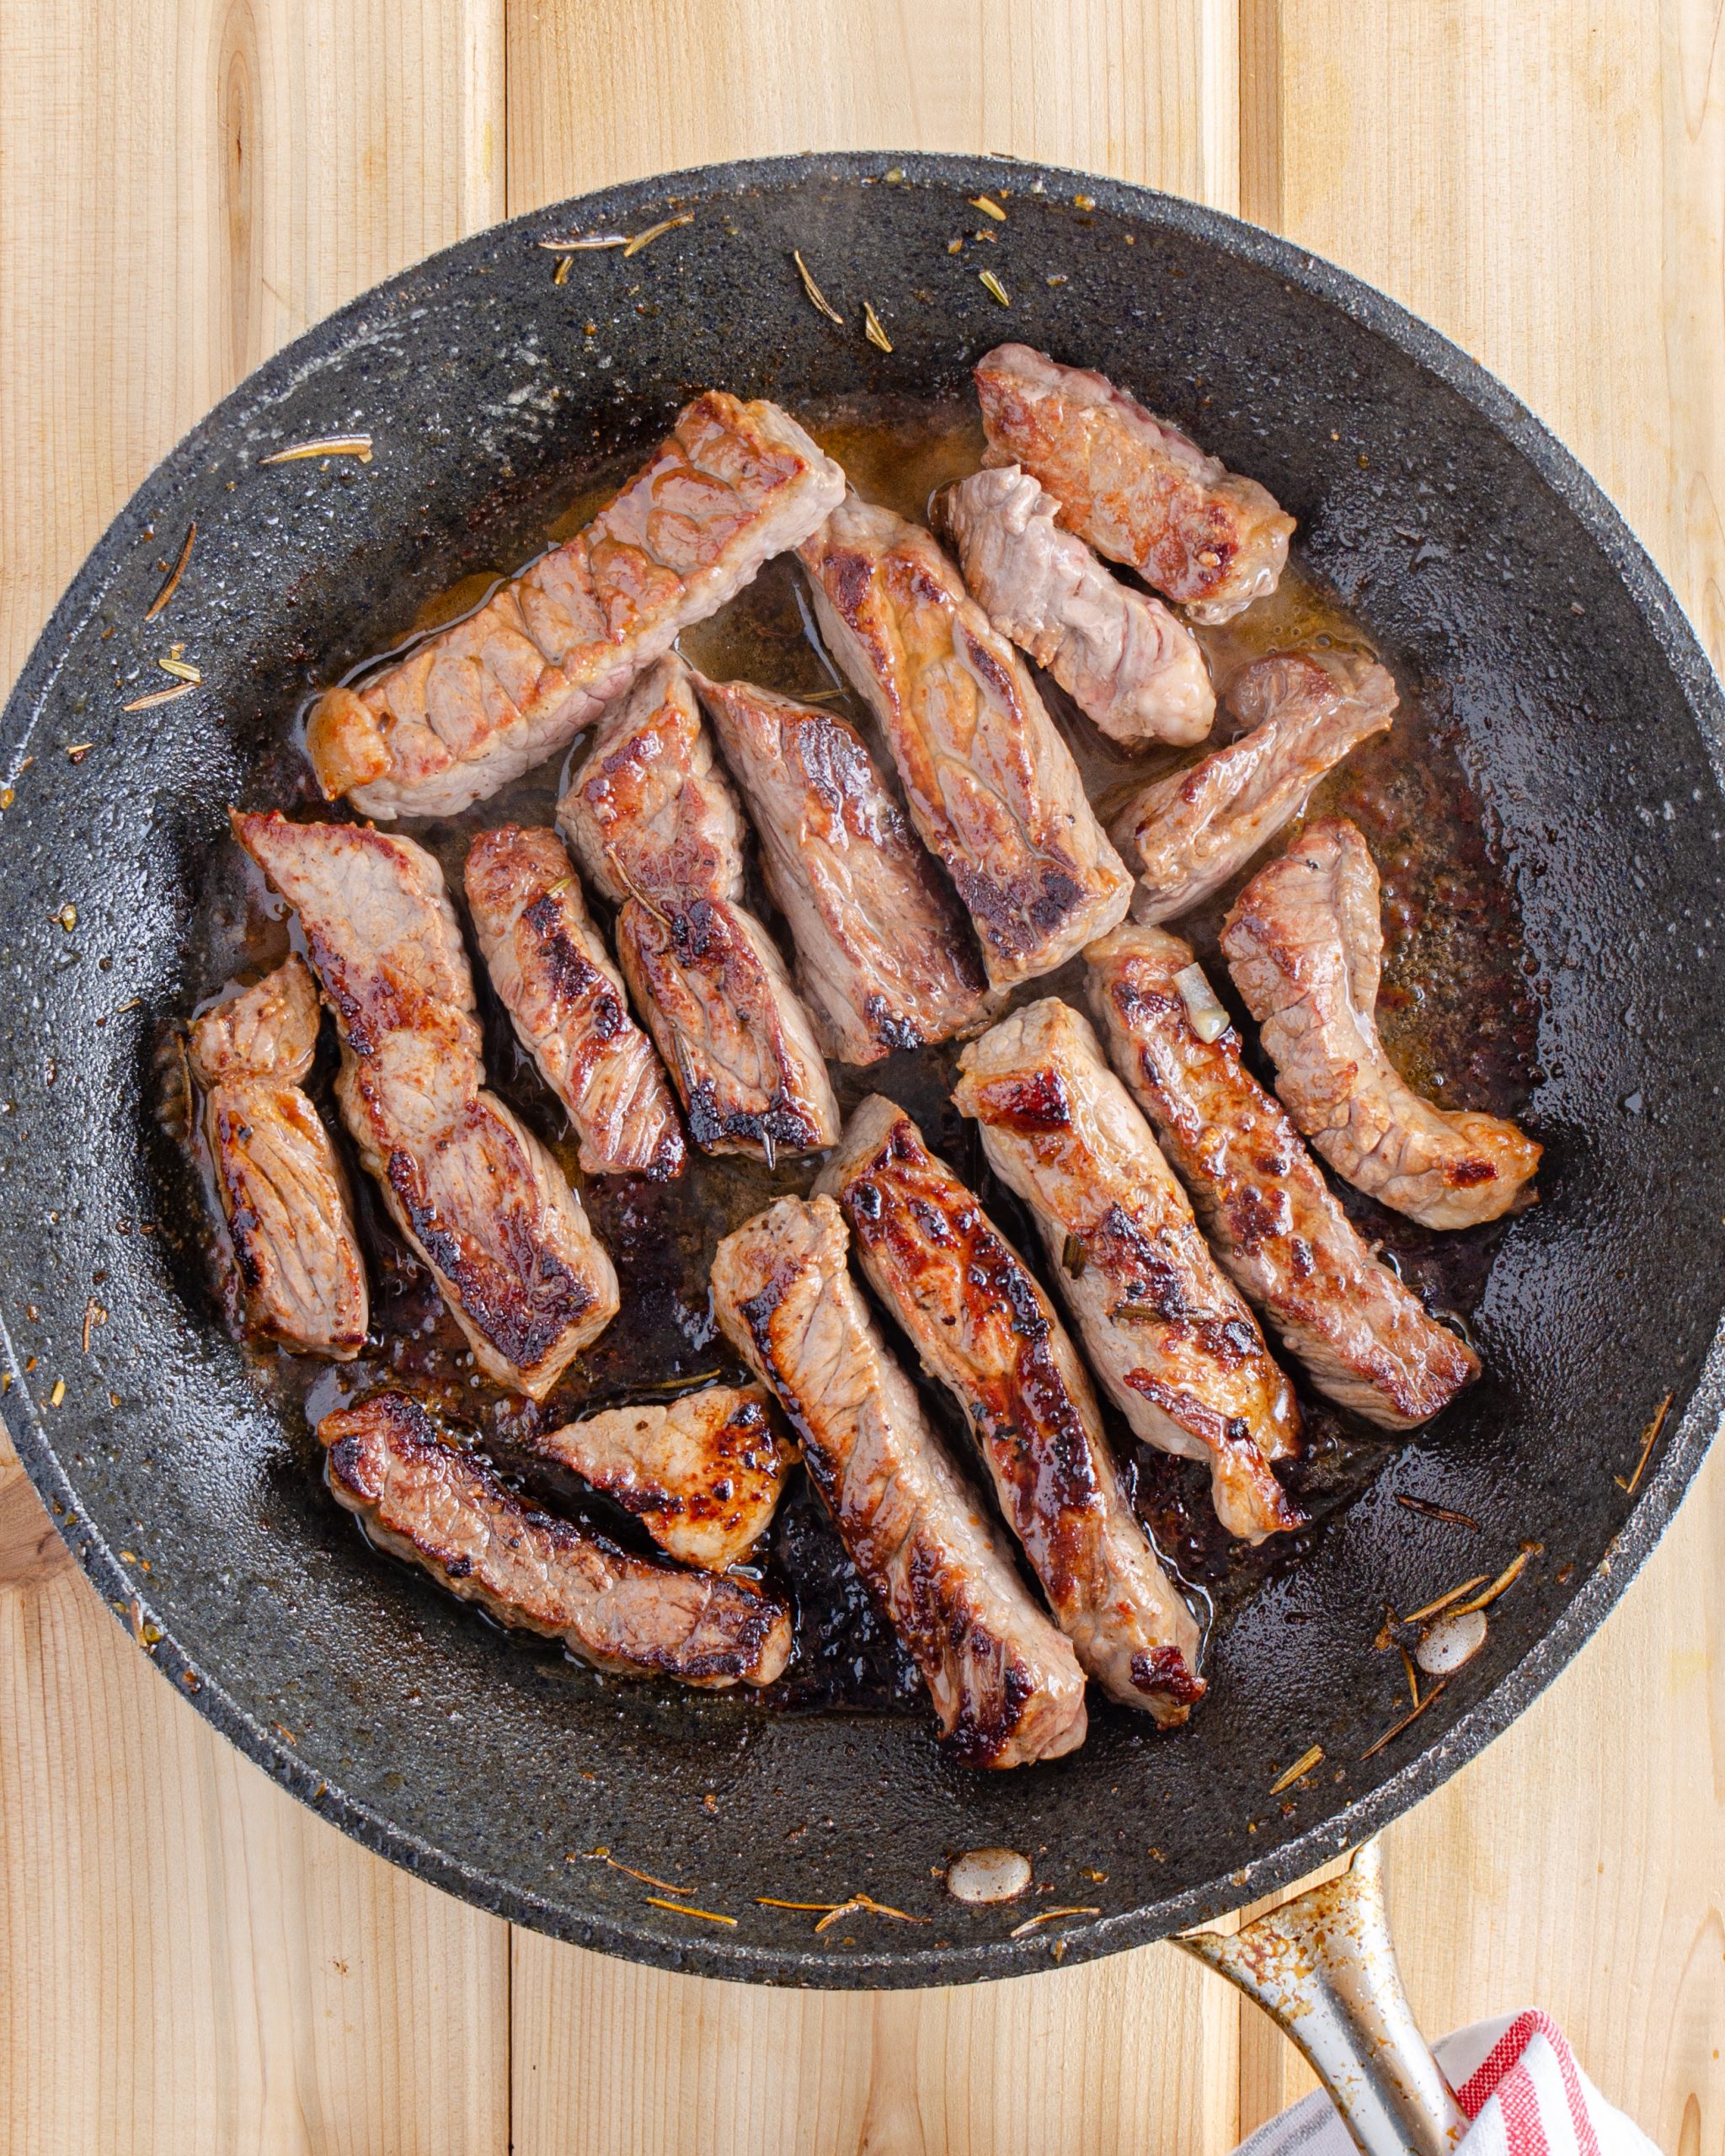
<point x="1323" y="1966"/>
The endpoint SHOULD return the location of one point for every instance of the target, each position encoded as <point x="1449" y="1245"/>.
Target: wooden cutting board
<point x="187" y="1961"/>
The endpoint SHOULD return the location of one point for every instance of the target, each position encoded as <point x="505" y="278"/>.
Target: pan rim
<point x="1681" y="648"/>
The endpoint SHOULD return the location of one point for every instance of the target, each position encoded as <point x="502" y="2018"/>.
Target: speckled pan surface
<point x="1473" y="547"/>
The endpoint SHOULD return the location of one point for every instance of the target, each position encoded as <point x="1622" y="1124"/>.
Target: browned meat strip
<point x="488" y="697"/>
<point x="1306" y="945"/>
<point x="1006" y="1687"/>
<point x="1189" y="833"/>
<point x="991" y="787"/>
<point x="283" y="1196"/>
<point x="701" y="1473"/>
<point x="1177" y="1351"/>
<point x="444" y="1509"/>
<point x="982" y="1326"/>
<point x="1127" y="663"/>
<point x="567" y="1003"/>
<point x="1137" y="489"/>
<point x="658" y="830"/>
<point x="478" y="1198"/>
<point x="1270" y="1216"/>
<point x="885" y="958"/>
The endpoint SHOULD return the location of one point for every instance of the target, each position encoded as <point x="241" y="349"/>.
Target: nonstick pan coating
<point x="1476" y="551"/>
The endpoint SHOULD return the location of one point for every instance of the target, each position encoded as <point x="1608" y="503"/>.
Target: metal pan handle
<point x="1323" y="1966"/>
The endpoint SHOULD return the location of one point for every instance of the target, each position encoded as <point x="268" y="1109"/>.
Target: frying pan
<point x="1510" y="595"/>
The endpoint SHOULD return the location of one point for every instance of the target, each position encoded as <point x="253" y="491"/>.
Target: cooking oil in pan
<point x="1457" y="1016"/>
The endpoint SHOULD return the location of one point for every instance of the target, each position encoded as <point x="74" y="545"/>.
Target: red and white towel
<point x="1518" y="2081"/>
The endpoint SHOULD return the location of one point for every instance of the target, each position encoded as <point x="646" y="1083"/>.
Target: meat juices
<point x="981" y="1325"/>
<point x="885" y="958"/>
<point x="283" y="1195"/>
<point x="1189" y="833"/>
<point x="478" y="1197"/>
<point x="487" y="698"/>
<point x="991" y="788"/>
<point x="703" y="1473"/>
<point x="1175" y="1348"/>
<point x="1304" y="943"/>
<point x="656" y="827"/>
<point x="444" y="1510"/>
<point x="565" y="1000"/>
<point x="1366" y="1339"/>
<point x="1005" y="1686"/>
<point x="1136" y="487"/>
<point x="1133" y="669"/>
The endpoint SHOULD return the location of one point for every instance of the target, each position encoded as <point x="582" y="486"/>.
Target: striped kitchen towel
<point x="1518" y="2081"/>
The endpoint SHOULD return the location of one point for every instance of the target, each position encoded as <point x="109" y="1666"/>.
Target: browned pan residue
<point x="1457" y="1013"/>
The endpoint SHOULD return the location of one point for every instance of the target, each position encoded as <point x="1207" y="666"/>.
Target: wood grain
<point x="1548" y="187"/>
<point x="188" y="1960"/>
<point x="186" y="184"/>
<point x="1141" y="2051"/>
<point x="1133" y="2052"/>
<point x="603" y="90"/>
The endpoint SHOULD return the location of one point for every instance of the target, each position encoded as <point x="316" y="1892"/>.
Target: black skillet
<point x="1512" y="597"/>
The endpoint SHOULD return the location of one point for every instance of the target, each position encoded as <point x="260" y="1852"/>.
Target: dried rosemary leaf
<point x="182" y="670"/>
<point x="560" y="275"/>
<point x="1396" y="1728"/>
<point x="174" y="574"/>
<point x="1649" y="1439"/>
<point x="602" y="1855"/>
<point x="872" y="329"/>
<point x="159" y="697"/>
<point x="1505" y="1580"/>
<point x="359" y="445"/>
<point x="1072" y="1257"/>
<point x="819" y="297"/>
<point x="1427" y="1510"/>
<point x="992" y="285"/>
<point x="1047" y="1916"/>
<point x="1442" y="1601"/>
<point x="873" y="1907"/>
<point x="646" y="239"/>
<point x="988" y="209"/>
<point x="1303" y="1765"/>
<point x="688" y="1909"/>
<point x="584" y="243"/>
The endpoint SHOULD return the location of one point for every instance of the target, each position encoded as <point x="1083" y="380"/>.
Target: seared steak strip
<point x="1136" y="487"/>
<point x="444" y="1509"/>
<point x="1305" y="944"/>
<point x="567" y="1003"/>
<point x="1187" y="834"/>
<point x="487" y="698"/>
<point x="1128" y="664"/>
<point x="283" y="1197"/>
<point x="1177" y="1350"/>
<point x="655" y="824"/>
<point x="885" y="958"/>
<point x="982" y="1326"/>
<point x="1271" y="1218"/>
<point x="702" y="1474"/>
<point x="478" y="1197"/>
<point x="991" y="788"/>
<point x="1005" y="1686"/>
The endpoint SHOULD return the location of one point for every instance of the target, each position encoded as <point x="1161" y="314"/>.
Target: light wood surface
<point x="187" y="1961"/>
